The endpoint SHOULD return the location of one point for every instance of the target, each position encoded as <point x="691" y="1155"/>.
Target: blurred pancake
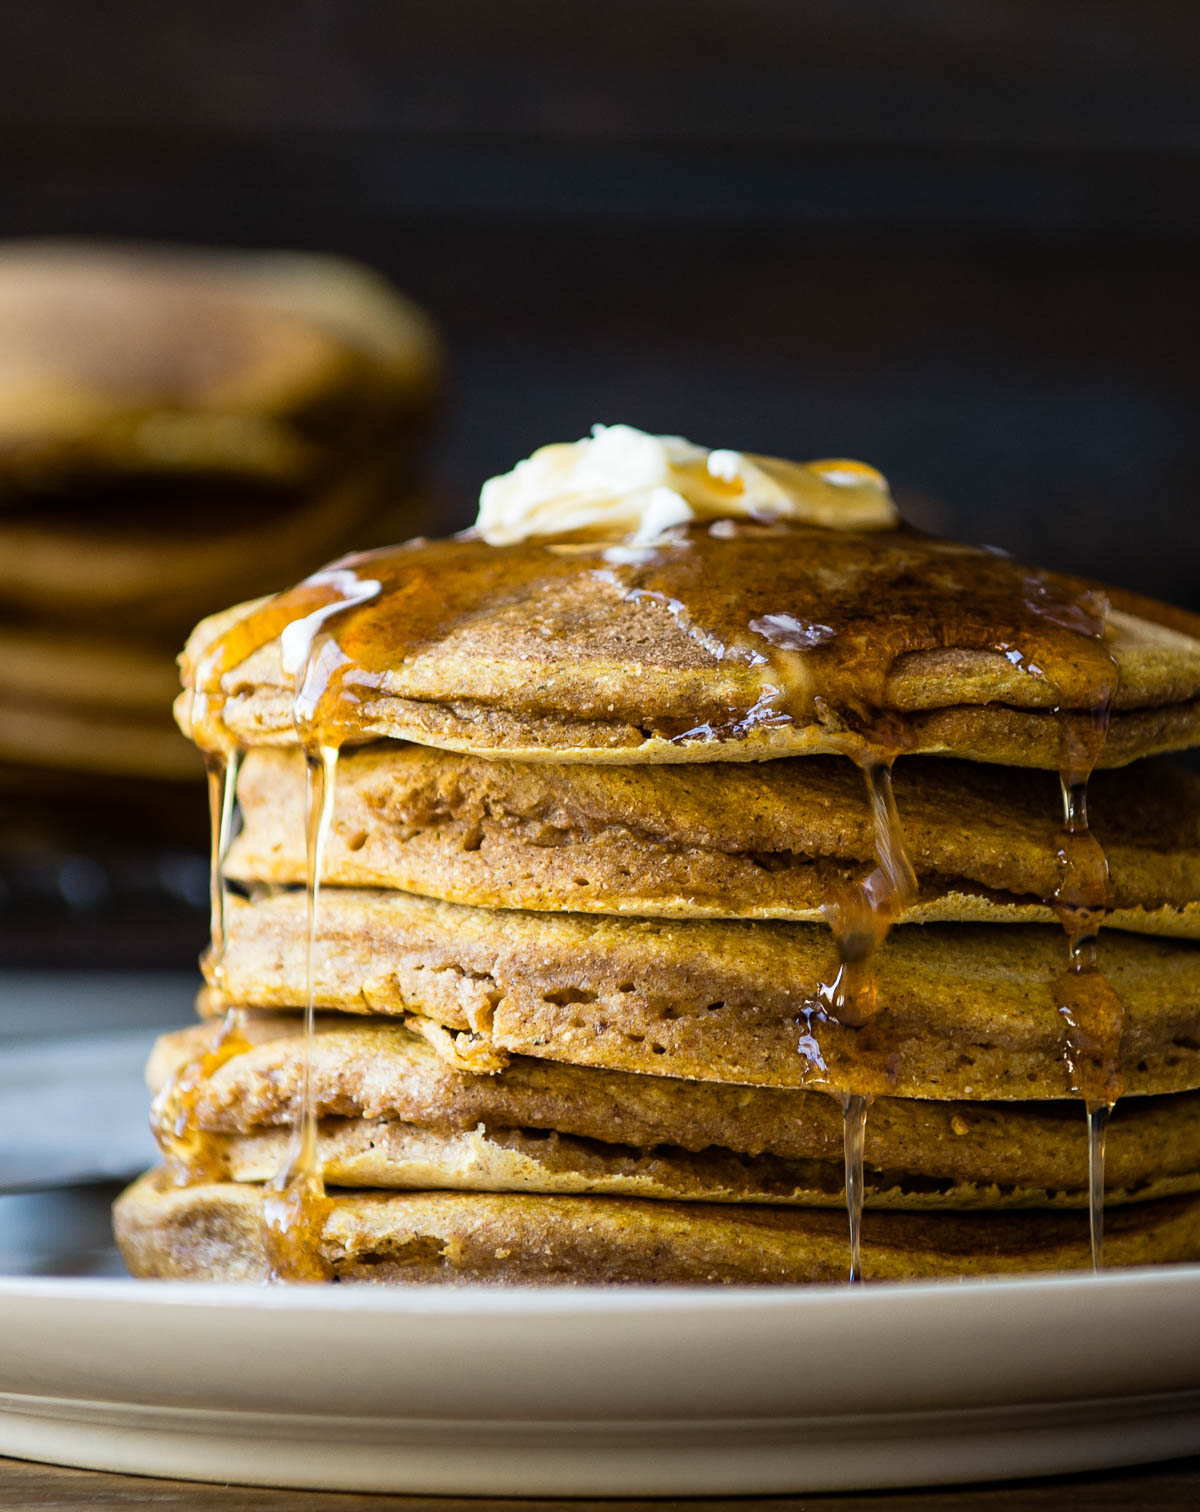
<point x="727" y="644"/>
<point x="156" y="572"/>
<point x="965" y="1011"/>
<point x="92" y="743"/>
<point x="215" y="1232"/>
<point x="394" y="1115"/>
<point x="82" y="670"/>
<point x="775" y="839"/>
<point x="165" y="360"/>
<point x="89" y="704"/>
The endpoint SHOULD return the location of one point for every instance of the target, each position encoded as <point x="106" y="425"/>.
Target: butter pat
<point x="624" y="484"/>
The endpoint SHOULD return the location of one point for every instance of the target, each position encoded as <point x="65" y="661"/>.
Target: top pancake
<point x="732" y="642"/>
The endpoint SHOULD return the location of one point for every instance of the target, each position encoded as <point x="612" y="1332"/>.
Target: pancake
<point x="215" y="1232"/>
<point x="82" y="670"/>
<point x="126" y="360"/>
<point x="578" y="1020"/>
<point x="89" y="741"/>
<point x="363" y="1154"/>
<point x="966" y="1011"/>
<point x="91" y="703"/>
<point x="736" y="643"/>
<point x="775" y="839"/>
<point x="394" y="1115"/>
<point x="88" y="565"/>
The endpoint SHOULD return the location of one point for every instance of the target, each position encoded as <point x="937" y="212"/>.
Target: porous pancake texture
<point x="394" y="1114"/>
<point x="721" y="905"/>
<point x="756" y="840"/>
<point x="969" y="1011"/>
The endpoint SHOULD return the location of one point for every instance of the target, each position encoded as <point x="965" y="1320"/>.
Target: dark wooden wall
<point x="956" y="238"/>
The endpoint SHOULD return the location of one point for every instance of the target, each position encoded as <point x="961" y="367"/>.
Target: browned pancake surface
<point x="966" y="1011"/>
<point x="395" y="1115"/>
<point x="215" y="1232"/>
<point x="774" y="839"/>
<point x="744" y="642"/>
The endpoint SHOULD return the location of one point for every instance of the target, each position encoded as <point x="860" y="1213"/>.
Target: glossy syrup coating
<point x="733" y="633"/>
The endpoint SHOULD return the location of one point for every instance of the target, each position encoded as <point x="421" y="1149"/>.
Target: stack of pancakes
<point x="177" y="428"/>
<point x="579" y="1011"/>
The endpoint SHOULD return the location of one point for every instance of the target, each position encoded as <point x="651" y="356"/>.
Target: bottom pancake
<point x="214" y="1232"/>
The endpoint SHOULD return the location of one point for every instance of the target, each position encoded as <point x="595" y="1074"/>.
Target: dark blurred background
<point x="958" y="240"/>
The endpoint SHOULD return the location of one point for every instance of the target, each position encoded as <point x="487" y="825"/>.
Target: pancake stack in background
<point x="177" y="428"/>
<point x="711" y="890"/>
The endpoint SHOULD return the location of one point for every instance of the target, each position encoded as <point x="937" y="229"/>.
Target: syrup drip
<point x="860" y="920"/>
<point x="190" y="1154"/>
<point x="1097" y="1121"/>
<point x="222" y="773"/>
<point x="325" y="707"/>
<point x="854" y="1132"/>
<point x="861" y="917"/>
<point x="295" y="1206"/>
<point x="811" y="625"/>
<point x="1092" y="1014"/>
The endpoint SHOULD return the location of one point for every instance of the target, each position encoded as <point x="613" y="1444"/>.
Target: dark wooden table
<point x="1166" y="1488"/>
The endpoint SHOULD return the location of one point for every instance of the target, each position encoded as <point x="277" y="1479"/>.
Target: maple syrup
<point x="294" y="1205"/>
<point x="854" y="1134"/>
<point x="222" y="770"/>
<point x="1097" y="1126"/>
<point x="189" y="1153"/>
<point x="1092" y="1014"/>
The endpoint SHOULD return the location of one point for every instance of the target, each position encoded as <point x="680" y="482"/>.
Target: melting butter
<point x="622" y="483"/>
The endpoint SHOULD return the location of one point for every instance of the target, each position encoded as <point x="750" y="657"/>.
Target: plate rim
<point x="568" y="1299"/>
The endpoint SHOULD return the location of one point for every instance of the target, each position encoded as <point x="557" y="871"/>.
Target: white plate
<point x="600" y="1393"/>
